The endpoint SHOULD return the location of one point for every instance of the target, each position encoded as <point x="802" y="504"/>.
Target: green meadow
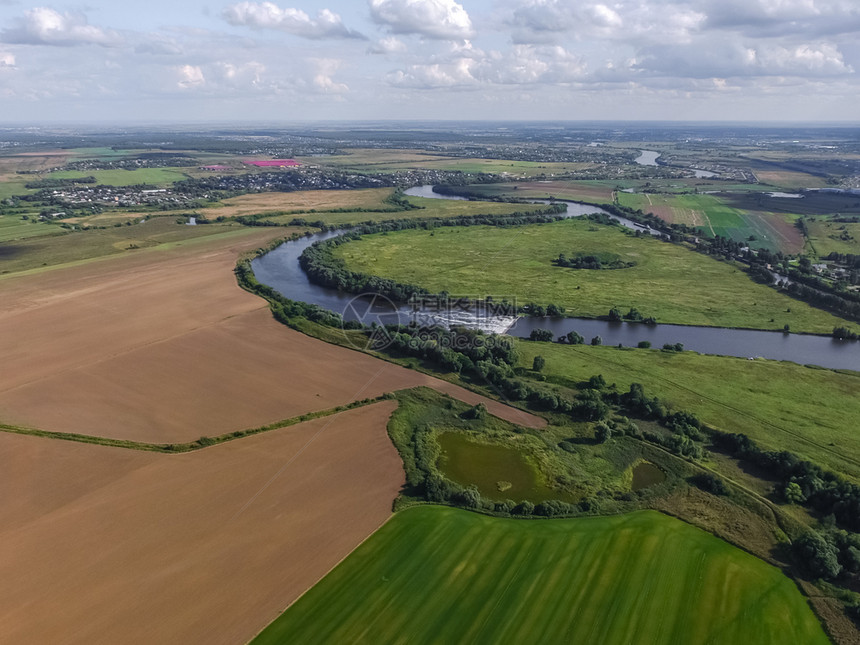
<point x="151" y="176"/>
<point x="826" y="236"/>
<point x="781" y="405"/>
<point x="669" y="282"/>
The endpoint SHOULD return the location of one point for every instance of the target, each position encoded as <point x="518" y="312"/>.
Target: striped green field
<point x="714" y="216"/>
<point x="441" y="575"/>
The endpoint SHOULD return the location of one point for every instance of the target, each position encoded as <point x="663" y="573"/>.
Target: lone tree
<point x="602" y="433"/>
<point x="793" y="493"/>
<point x="541" y="335"/>
<point x="597" y="340"/>
<point x="475" y="412"/>
<point x="538" y="363"/>
<point x="817" y="555"/>
<point x="575" y="339"/>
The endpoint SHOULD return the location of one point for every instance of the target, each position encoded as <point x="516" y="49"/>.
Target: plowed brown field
<point x="109" y="545"/>
<point x="165" y="347"/>
<point x="104" y="545"/>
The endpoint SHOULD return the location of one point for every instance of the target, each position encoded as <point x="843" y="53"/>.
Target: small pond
<point x="499" y="472"/>
<point x="646" y="475"/>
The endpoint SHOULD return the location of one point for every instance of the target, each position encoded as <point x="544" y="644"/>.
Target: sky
<point x="117" y="61"/>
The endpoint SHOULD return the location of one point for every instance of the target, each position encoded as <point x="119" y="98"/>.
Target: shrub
<point x="709" y="483"/>
<point x="524" y="508"/>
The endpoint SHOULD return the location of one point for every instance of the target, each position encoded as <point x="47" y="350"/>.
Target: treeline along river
<point x="280" y="270"/>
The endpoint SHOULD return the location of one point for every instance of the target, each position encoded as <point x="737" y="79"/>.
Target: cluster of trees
<point x="761" y="274"/>
<point x="58" y="183"/>
<point x="539" y="311"/>
<point x="686" y="436"/>
<point x="843" y="333"/>
<point x="458" y="349"/>
<point x="594" y="262"/>
<point x="849" y="260"/>
<point x="541" y="335"/>
<point x="633" y="315"/>
<point x="831" y="555"/>
<point x="709" y="483"/>
<point x="817" y="488"/>
<point x="460" y="190"/>
<point x="571" y="337"/>
<point x="840" y="305"/>
<point x="803" y="274"/>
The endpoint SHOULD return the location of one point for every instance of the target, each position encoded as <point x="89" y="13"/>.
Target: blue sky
<point x="173" y="61"/>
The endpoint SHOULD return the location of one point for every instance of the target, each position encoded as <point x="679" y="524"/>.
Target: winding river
<point x="280" y="270"/>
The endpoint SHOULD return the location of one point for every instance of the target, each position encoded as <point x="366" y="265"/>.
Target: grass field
<point x="12" y="227"/>
<point x="790" y="179"/>
<point x="152" y="176"/>
<point x="398" y="160"/>
<point x="428" y="208"/>
<point x="435" y="575"/>
<point x="668" y="282"/>
<point x="772" y="231"/>
<point x="76" y="246"/>
<point x="12" y="188"/>
<point x="828" y="237"/>
<point x="783" y="406"/>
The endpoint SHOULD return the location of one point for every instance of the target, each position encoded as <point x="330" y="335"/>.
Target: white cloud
<point x="159" y="45"/>
<point x="45" y="26"/>
<point x="267" y="15"/>
<point x="807" y="59"/>
<point x="7" y="60"/>
<point x="240" y="75"/>
<point x="433" y="76"/>
<point x="323" y="79"/>
<point x="190" y="77"/>
<point x="537" y="21"/>
<point x="720" y="59"/>
<point x="470" y="67"/>
<point x="439" y="19"/>
<point x="389" y="45"/>
<point x="782" y="17"/>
